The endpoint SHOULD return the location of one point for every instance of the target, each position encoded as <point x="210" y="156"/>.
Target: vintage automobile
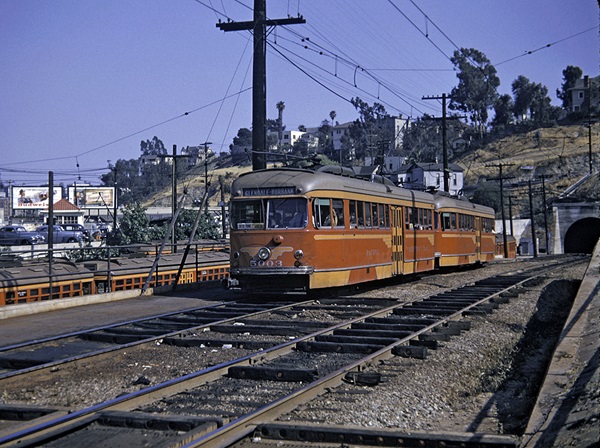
<point x="78" y="228"/>
<point x="60" y="235"/>
<point x="19" y="235"/>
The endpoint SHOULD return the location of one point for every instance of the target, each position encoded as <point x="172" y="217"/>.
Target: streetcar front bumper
<point x="280" y="279"/>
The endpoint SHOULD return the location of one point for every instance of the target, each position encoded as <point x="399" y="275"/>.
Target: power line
<point x="527" y="53"/>
<point x="120" y="139"/>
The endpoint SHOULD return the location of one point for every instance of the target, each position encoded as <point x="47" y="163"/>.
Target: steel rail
<point x="244" y="425"/>
<point x="102" y="352"/>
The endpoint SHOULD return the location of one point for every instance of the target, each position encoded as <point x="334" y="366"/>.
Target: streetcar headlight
<point x="264" y="253"/>
<point x="298" y="254"/>
<point x="236" y="255"/>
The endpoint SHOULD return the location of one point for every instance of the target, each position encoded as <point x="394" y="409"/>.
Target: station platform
<point x="45" y="319"/>
<point x="567" y="411"/>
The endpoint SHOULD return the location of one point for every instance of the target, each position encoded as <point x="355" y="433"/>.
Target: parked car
<point x="18" y="235"/>
<point x="78" y="228"/>
<point x="60" y="235"/>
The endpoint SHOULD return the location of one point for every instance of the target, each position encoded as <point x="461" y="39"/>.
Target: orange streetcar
<point x="465" y="232"/>
<point x="302" y="230"/>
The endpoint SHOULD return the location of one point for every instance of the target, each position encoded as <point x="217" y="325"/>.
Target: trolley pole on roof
<point x="259" y="77"/>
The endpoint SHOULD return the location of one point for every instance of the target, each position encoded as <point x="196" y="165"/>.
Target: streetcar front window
<point x="260" y="214"/>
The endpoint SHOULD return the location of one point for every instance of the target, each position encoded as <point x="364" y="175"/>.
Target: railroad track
<point x="228" y="402"/>
<point x="49" y="353"/>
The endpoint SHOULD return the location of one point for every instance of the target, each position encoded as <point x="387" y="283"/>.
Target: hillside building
<point x="424" y="176"/>
<point x="586" y="92"/>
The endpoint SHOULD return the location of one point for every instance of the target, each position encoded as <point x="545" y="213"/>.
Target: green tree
<point x="367" y="130"/>
<point x="477" y="83"/>
<point x="332" y="115"/>
<point x="532" y="102"/>
<point x="243" y="137"/>
<point x="570" y="75"/>
<point x="503" y="116"/>
<point x="153" y="147"/>
<point x="488" y="193"/>
<point x="207" y="228"/>
<point x="280" y="107"/>
<point x="422" y="140"/>
<point x="134" y="224"/>
<point x="325" y="143"/>
<point x="523" y="92"/>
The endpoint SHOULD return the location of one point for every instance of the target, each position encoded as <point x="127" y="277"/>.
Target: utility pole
<point x="223" y="209"/>
<point x="174" y="196"/>
<point x="499" y="166"/>
<point x="10" y="198"/>
<point x="510" y="213"/>
<point x="259" y="75"/>
<point x="590" y="123"/>
<point x="205" y="144"/>
<point x="532" y="217"/>
<point x="444" y="97"/>
<point x="174" y="191"/>
<point x="545" y="214"/>
<point x="50" y="229"/>
<point x="115" y="204"/>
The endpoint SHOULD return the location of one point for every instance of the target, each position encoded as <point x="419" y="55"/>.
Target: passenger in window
<point x="298" y="220"/>
<point x="275" y="221"/>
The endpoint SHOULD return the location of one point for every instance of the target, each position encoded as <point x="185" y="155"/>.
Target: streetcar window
<point x="338" y="213"/>
<point x="248" y="214"/>
<point x="368" y="215"/>
<point x="288" y="213"/>
<point x="353" y="219"/>
<point x="360" y="213"/>
<point x="449" y="221"/>
<point x="411" y="218"/>
<point x="446" y="221"/>
<point x="281" y="213"/>
<point x="383" y="217"/>
<point x="322" y="212"/>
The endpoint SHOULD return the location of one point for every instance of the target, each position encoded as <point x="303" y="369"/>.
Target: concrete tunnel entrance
<point x="582" y="236"/>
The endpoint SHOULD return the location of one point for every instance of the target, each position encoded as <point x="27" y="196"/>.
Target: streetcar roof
<point x="443" y="201"/>
<point x="301" y="181"/>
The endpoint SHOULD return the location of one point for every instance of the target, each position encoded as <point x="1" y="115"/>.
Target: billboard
<point x="92" y="197"/>
<point x="33" y="197"/>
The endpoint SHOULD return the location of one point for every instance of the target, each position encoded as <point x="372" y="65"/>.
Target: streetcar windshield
<point x="259" y="214"/>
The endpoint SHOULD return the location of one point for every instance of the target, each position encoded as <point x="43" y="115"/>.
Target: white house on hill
<point x="422" y="176"/>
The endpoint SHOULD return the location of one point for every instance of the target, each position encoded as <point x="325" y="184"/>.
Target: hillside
<point x="560" y="154"/>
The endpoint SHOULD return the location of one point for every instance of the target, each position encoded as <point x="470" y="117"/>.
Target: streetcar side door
<point x="478" y="237"/>
<point x="397" y="237"/>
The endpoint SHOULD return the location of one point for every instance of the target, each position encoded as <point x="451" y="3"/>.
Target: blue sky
<point x="83" y="82"/>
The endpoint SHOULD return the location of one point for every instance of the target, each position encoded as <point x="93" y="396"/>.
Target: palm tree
<point x="332" y="115"/>
<point x="280" y="106"/>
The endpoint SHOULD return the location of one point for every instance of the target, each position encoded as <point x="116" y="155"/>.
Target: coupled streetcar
<point x="32" y="281"/>
<point x="299" y="230"/>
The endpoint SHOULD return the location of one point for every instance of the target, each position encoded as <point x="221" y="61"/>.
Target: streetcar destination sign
<point x="273" y="191"/>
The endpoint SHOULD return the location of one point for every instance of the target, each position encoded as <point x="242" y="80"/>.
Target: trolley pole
<point x="258" y="27"/>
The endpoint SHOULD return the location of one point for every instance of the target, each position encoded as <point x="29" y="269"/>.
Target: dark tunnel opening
<point x="582" y="236"/>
